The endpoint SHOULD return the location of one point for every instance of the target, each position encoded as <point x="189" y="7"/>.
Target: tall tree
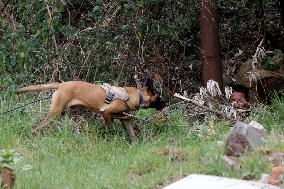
<point x="212" y="68"/>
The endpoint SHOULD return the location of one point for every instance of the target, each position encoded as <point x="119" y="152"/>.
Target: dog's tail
<point x="38" y="87"/>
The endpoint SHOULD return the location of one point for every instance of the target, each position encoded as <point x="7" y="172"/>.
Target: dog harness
<point x="114" y="93"/>
<point x="141" y="99"/>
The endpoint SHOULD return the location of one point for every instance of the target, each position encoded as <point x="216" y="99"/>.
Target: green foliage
<point x="271" y="116"/>
<point x="252" y="166"/>
<point x="58" y="38"/>
<point x="67" y="40"/>
<point x="7" y="159"/>
<point x="278" y="104"/>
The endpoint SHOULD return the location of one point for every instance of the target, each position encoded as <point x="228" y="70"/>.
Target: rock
<point x="257" y="126"/>
<point x="229" y="161"/>
<point x="264" y="178"/>
<point x="196" y="181"/>
<point x="274" y="178"/>
<point x="236" y="145"/>
<point x="266" y="82"/>
<point x="7" y="178"/>
<point x="243" y="137"/>
<point x="220" y="143"/>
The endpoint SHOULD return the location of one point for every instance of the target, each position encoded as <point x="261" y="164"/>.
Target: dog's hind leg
<point x="56" y="107"/>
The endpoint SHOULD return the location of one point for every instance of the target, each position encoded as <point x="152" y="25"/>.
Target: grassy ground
<point x="61" y="158"/>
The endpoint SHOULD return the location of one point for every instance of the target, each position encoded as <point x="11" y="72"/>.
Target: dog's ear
<point x="148" y="82"/>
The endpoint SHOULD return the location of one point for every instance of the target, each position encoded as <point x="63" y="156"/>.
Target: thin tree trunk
<point x="212" y="68"/>
<point x="282" y="11"/>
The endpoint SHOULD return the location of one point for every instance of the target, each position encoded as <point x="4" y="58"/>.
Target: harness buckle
<point x="109" y="98"/>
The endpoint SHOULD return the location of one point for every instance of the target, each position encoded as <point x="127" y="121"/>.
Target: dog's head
<point x="152" y="98"/>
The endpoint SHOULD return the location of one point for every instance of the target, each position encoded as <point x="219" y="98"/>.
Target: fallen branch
<point x="195" y="103"/>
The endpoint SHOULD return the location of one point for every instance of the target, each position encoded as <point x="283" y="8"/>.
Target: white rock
<point x="257" y="126"/>
<point x="196" y="181"/>
<point x="220" y="143"/>
<point x="264" y="178"/>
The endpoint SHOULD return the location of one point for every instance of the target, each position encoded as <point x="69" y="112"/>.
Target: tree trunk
<point x="282" y="11"/>
<point x="212" y="68"/>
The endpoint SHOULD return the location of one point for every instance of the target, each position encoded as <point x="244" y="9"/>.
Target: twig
<point x="5" y="5"/>
<point x="195" y="103"/>
<point x="127" y="114"/>
<point x="51" y="26"/>
<point x="85" y="61"/>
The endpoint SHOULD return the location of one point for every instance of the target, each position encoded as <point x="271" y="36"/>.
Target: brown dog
<point x="92" y="96"/>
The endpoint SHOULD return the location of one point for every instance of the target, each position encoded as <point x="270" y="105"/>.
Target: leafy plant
<point x="7" y="159"/>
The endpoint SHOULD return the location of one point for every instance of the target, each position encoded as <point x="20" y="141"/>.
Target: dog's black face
<point x="158" y="104"/>
<point x="157" y="101"/>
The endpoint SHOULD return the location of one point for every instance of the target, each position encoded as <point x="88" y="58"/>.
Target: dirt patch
<point x="174" y="154"/>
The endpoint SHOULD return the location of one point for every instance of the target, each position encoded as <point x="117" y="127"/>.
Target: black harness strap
<point x="140" y="96"/>
<point x="141" y="99"/>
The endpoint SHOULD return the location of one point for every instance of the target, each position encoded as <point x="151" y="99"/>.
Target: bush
<point x="105" y="40"/>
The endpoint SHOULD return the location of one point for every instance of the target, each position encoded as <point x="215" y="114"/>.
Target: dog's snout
<point x="158" y="104"/>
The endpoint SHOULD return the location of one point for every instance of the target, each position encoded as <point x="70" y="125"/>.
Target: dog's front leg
<point x="42" y="125"/>
<point x="128" y="127"/>
<point x="108" y="118"/>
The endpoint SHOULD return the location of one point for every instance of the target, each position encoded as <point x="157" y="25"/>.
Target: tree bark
<point x="282" y="11"/>
<point x="212" y="68"/>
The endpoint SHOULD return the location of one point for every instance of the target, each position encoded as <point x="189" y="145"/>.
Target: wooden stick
<point x="195" y="103"/>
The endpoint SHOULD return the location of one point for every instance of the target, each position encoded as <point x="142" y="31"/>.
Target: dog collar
<point x="141" y="99"/>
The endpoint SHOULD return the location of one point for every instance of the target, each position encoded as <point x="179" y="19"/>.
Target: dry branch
<point x="197" y="104"/>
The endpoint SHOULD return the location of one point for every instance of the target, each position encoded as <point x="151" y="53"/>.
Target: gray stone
<point x="244" y="137"/>
<point x="229" y="161"/>
<point x="258" y="127"/>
